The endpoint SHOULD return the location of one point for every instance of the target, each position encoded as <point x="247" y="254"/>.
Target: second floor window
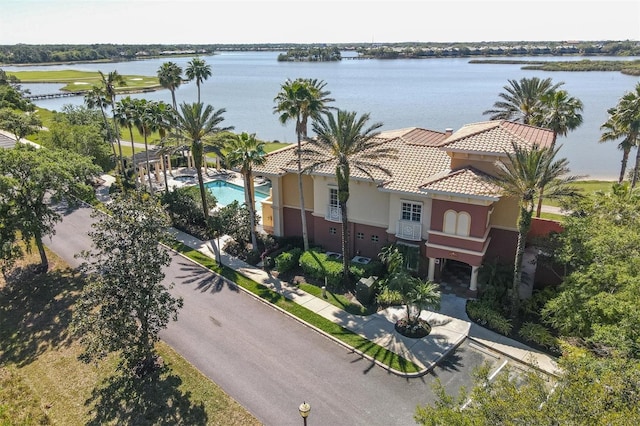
<point x="333" y="197"/>
<point x="412" y="212"/>
<point x="457" y="223"/>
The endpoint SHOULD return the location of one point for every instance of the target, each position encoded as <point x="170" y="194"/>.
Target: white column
<point x="432" y="268"/>
<point x="473" y="285"/>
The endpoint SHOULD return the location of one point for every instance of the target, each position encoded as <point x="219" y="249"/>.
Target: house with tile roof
<point x="437" y="205"/>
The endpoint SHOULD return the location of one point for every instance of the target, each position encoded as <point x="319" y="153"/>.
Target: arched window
<point x="450" y="219"/>
<point x="457" y="223"/>
<point x="464" y="224"/>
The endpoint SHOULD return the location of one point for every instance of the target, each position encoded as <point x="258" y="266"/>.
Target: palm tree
<point x="559" y="113"/>
<point x="245" y="151"/>
<point x="96" y="98"/>
<point x="521" y="102"/>
<point x="300" y="100"/>
<point x="194" y="123"/>
<point x="198" y="70"/>
<point x="127" y="115"/>
<point x="612" y="131"/>
<point x="161" y="119"/>
<point x="624" y="121"/>
<point x="343" y="138"/>
<point x="109" y="83"/>
<point x="146" y="126"/>
<point x="170" y="76"/>
<point x="166" y="150"/>
<point x="522" y="176"/>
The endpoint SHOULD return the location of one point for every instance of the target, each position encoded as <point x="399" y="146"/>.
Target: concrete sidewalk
<point x="450" y="325"/>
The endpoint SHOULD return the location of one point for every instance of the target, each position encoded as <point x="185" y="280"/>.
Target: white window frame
<point x="412" y="205"/>
<point x="333" y="202"/>
<point x="456" y="223"/>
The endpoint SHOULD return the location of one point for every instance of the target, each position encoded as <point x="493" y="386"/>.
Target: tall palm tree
<point x="624" y="121"/>
<point x="198" y="70"/>
<point x="299" y="100"/>
<point x="344" y="139"/>
<point x="194" y="122"/>
<point x="521" y="99"/>
<point x="611" y="132"/>
<point x="96" y="98"/>
<point x="559" y="113"/>
<point x="245" y="151"/>
<point x="161" y="117"/>
<point x="146" y="126"/>
<point x="109" y="83"/>
<point x="521" y="176"/>
<point x="170" y="76"/>
<point x="127" y="115"/>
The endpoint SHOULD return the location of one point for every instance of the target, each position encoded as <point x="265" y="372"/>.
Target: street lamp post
<point x="304" y="409"/>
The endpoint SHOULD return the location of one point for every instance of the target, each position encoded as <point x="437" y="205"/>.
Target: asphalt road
<point x="271" y="363"/>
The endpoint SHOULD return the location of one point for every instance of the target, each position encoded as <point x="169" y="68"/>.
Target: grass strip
<point x="352" y="339"/>
<point x="337" y="300"/>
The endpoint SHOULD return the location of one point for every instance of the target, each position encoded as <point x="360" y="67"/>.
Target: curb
<point x="420" y="373"/>
<point x="503" y="353"/>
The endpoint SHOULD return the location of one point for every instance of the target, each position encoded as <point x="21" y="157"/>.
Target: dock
<point x="54" y="95"/>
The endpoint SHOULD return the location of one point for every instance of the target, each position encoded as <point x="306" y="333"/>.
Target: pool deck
<point x="209" y="176"/>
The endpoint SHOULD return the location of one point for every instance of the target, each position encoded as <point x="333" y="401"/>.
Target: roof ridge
<point x="450" y="139"/>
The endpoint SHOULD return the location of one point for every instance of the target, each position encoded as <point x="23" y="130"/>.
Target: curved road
<point x="271" y="363"/>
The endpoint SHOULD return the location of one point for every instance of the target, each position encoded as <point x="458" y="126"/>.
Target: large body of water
<point x="431" y="93"/>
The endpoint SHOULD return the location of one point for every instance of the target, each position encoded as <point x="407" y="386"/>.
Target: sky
<point x="313" y="21"/>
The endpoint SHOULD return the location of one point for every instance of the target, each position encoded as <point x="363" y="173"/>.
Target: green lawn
<point x="586" y="187"/>
<point x="84" y="80"/>
<point x="43" y="382"/>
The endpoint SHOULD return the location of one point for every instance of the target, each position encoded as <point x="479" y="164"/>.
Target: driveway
<point x="271" y="363"/>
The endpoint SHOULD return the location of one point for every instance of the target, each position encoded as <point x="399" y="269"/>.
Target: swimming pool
<point x="226" y="193"/>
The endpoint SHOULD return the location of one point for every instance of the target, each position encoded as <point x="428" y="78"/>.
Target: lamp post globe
<point x="304" y="410"/>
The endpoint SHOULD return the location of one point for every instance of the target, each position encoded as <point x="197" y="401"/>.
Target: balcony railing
<point x="409" y="230"/>
<point x="334" y="213"/>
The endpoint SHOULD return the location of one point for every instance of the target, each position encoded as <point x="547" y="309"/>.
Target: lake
<point x="430" y="93"/>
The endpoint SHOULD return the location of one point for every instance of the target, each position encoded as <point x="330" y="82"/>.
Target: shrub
<point x="482" y="313"/>
<point x="389" y="297"/>
<point x="288" y="260"/>
<point x="234" y="248"/>
<point x="316" y="265"/>
<point x="539" y="334"/>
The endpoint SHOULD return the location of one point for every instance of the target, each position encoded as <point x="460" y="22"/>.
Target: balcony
<point x="409" y="230"/>
<point x="334" y="213"/>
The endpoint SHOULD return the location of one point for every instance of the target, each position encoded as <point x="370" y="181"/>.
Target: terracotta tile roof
<point x="467" y="181"/>
<point x="495" y="137"/>
<point x="423" y="162"/>
<point x="424" y="137"/>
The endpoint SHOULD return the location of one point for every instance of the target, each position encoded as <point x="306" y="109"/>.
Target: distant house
<point x="437" y="205"/>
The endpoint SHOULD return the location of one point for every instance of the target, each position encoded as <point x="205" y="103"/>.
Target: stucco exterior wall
<point x="505" y="213"/>
<point x="367" y="205"/>
<point x="365" y="246"/>
<point x="478" y="216"/>
<point x="290" y="194"/>
<point x="486" y="164"/>
<point x="502" y="246"/>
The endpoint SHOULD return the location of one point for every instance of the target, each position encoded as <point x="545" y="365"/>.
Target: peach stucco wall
<point x="486" y="165"/>
<point x="505" y="213"/>
<point x="290" y="194"/>
<point x="367" y="204"/>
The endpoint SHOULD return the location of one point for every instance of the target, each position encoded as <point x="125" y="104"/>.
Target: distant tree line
<point x="46" y="53"/>
<point x="435" y="50"/>
<point x="311" y="54"/>
<point x="41" y="53"/>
